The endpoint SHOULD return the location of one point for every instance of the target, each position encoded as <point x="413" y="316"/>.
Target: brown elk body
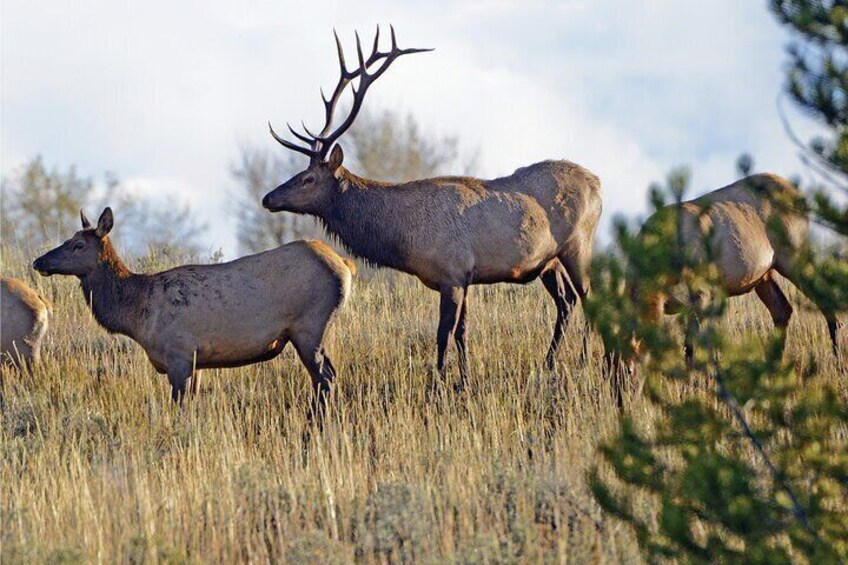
<point x="757" y="231"/>
<point x="209" y="316"/>
<point x="24" y="318"/>
<point x="451" y="232"/>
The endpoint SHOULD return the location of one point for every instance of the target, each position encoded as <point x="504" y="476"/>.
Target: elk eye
<point x="308" y="180"/>
<point x="78" y="246"/>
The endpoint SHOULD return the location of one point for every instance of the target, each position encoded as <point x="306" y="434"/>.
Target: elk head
<point x="310" y="190"/>
<point x="82" y="253"/>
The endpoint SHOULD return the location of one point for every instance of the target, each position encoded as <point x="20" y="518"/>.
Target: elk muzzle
<point x="272" y="201"/>
<point x="41" y="266"/>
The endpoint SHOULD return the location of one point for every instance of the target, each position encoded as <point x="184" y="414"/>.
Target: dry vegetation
<point x="98" y="466"/>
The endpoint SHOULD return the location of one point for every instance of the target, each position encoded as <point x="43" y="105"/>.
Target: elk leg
<point x="777" y="304"/>
<point x="314" y="357"/>
<point x="449" y="308"/>
<point x="179" y="372"/>
<point x="577" y="267"/>
<point x="559" y="288"/>
<point x="461" y="339"/>
<point x="827" y="311"/>
<point x="693" y="327"/>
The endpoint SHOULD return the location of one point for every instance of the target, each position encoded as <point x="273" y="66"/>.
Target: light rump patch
<point x="24" y="319"/>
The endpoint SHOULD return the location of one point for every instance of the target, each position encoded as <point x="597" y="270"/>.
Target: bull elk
<point x="450" y="232"/>
<point x="210" y="316"/>
<point x="24" y="318"/>
<point x="757" y="230"/>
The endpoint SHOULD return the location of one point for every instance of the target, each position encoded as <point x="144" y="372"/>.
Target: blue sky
<point x="162" y="93"/>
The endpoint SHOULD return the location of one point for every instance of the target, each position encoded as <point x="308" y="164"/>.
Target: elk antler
<point x="319" y="145"/>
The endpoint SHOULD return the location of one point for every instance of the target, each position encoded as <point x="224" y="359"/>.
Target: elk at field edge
<point x="209" y="316"/>
<point x="758" y="228"/>
<point x="24" y="317"/>
<point x="449" y="232"/>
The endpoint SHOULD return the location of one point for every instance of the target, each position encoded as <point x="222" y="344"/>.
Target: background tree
<point x="746" y="457"/>
<point x="40" y="207"/>
<point x="390" y="146"/>
<point x="386" y="146"/>
<point x="256" y="172"/>
<point x="817" y="81"/>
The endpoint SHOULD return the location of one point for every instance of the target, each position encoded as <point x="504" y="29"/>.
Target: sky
<point x="163" y="93"/>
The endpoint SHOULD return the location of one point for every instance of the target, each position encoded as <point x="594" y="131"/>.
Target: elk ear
<point x="85" y="223"/>
<point x="336" y="158"/>
<point x="104" y="224"/>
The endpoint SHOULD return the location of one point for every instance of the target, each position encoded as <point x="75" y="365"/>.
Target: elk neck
<point x="362" y="216"/>
<point x="114" y="293"/>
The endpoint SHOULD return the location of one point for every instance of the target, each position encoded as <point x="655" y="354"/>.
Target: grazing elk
<point x="450" y="232"/>
<point x="209" y="316"/>
<point x="757" y="230"/>
<point x="24" y="317"/>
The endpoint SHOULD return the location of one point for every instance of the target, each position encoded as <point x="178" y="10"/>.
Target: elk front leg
<point x="179" y="372"/>
<point x="314" y="357"/>
<point x="450" y="307"/>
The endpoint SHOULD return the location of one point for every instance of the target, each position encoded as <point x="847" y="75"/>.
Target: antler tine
<point x="341" y="54"/>
<point x="375" y="50"/>
<point x="294" y="147"/>
<point x="363" y="68"/>
<point x="300" y="136"/>
<point x="407" y="51"/>
<point x="309" y="133"/>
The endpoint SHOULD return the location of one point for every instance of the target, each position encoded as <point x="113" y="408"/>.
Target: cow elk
<point x="449" y="232"/>
<point x="209" y="316"/>
<point x="24" y="317"/>
<point x="757" y="230"/>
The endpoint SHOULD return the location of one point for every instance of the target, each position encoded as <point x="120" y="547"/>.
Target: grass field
<point x="98" y="466"/>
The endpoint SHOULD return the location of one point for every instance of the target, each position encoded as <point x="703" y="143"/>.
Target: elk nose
<point x="266" y="201"/>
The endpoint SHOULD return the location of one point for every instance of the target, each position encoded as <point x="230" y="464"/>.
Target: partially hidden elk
<point x="757" y="229"/>
<point x="24" y="318"/>
<point x="450" y="232"/>
<point x="196" y="317"/>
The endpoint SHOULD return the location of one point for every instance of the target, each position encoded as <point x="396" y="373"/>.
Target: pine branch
<point x="777" y="476"/>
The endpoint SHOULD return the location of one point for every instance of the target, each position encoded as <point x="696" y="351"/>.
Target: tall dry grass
<point x="98" y="466"/>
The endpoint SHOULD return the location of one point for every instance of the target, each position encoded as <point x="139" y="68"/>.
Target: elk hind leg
<point x="778" y="306"/>
<point x="785" y="267"/>
<point x="577" y="266"/>
<point x="314" y="357"/>
<point x="558" y="286"/>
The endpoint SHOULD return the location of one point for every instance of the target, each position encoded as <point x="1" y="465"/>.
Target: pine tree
<point x="756" y="469"/>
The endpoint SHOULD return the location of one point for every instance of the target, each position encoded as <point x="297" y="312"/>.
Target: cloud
<point x="164" y="91"/>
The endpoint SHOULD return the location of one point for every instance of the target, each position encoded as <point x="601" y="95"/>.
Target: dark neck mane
<point x="356" y="216"/>
<point x="114" y="293"/>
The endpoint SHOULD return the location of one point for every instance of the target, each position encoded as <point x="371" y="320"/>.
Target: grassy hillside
<point x="96" y="465"/>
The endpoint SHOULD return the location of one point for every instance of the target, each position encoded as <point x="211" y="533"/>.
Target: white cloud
<point x="162" y="92"/>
